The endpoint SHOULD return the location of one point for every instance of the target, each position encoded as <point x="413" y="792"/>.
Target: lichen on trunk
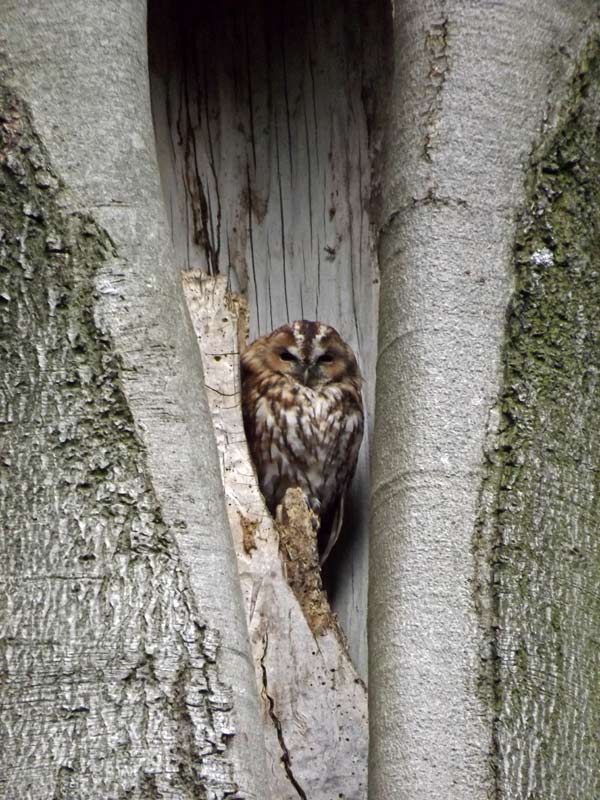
<point x="544" y="500"/>
<point x="110" y="682"/>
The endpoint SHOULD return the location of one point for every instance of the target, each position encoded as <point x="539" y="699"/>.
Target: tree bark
<point x="474" y="86"/>
<point x="125" y="648"/>
<point x="541" y="509"/>
<point x="124" y="652"/>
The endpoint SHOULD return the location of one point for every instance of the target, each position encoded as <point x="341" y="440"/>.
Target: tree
<point x="122" y="597"/>
<point x="300" y="150"/>
<point x="482" y="553"/>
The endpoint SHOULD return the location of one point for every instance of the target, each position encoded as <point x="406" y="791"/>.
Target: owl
<point x="303" y="416"/>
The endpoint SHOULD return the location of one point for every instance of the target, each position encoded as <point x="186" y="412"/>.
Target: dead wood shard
<point x="314" y="704"/>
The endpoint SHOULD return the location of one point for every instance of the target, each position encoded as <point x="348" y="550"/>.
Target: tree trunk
<point x="125" y="656"/>
<point x="126" y="667"/>
<point x="485" y="494"/>
<point x="541" y="510"/>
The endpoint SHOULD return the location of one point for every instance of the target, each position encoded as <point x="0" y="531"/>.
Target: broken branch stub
<point x="298" y="548"/>
<point x="314" y="704"/>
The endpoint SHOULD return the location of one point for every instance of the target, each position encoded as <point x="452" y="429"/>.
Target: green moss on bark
<point x="545" y="472"/>
<point x="109" y="677"/>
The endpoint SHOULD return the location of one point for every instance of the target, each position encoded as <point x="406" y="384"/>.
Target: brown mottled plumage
<point x="303" y="415"/>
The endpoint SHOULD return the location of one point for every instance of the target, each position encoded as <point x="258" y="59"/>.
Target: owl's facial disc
<point x="311" y="353"/>
<point x="305" y="369"/>
<point x="316" y="372"/>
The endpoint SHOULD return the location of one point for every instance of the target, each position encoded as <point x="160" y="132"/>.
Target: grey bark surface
<point x="261" y="114"/>
<point x="124" y="644"/>
<point x="472" y="85"/>
<point x="541" y="508"/>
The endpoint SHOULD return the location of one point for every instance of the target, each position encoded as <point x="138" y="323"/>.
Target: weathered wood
<point x="314" y="704"/>
<point x="261" y="115"/>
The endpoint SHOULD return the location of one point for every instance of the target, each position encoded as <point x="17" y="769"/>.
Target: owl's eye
<point x="287" y="356"/>
<point x="326" y="358"/>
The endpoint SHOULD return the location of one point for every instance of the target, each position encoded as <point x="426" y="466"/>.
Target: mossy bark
<point x="473" y="85"/>
<point x="109" y="673"/>
<point x="544" y="507"/>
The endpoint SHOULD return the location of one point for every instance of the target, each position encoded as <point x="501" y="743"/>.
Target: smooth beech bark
<point x="458" y="683"/>
<point x="459" y="215"/>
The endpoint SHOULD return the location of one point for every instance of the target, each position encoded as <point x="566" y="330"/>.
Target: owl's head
<point x="310" y="353"/>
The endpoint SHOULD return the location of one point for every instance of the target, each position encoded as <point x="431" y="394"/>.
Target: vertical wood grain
<point x="262" y="125"/>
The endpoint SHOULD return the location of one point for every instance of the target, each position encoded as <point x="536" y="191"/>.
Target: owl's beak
<point x="300" y="369"/>
<point x="306" y="372"/>
<point x="310" y="375"/>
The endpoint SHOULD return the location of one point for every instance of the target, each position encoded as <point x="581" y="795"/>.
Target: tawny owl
<point x="303" y="415"/>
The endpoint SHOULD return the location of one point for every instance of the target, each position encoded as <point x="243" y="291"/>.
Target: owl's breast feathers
<point x="299" y="436"/>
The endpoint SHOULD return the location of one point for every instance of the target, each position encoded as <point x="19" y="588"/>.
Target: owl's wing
<point x="331" y="524"/>
<point x="337" y="518"/>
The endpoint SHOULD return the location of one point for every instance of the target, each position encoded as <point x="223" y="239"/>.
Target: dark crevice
<point x="285" y="755"/>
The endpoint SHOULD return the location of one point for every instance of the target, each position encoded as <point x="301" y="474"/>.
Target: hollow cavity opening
<point x="267" y="127"/>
